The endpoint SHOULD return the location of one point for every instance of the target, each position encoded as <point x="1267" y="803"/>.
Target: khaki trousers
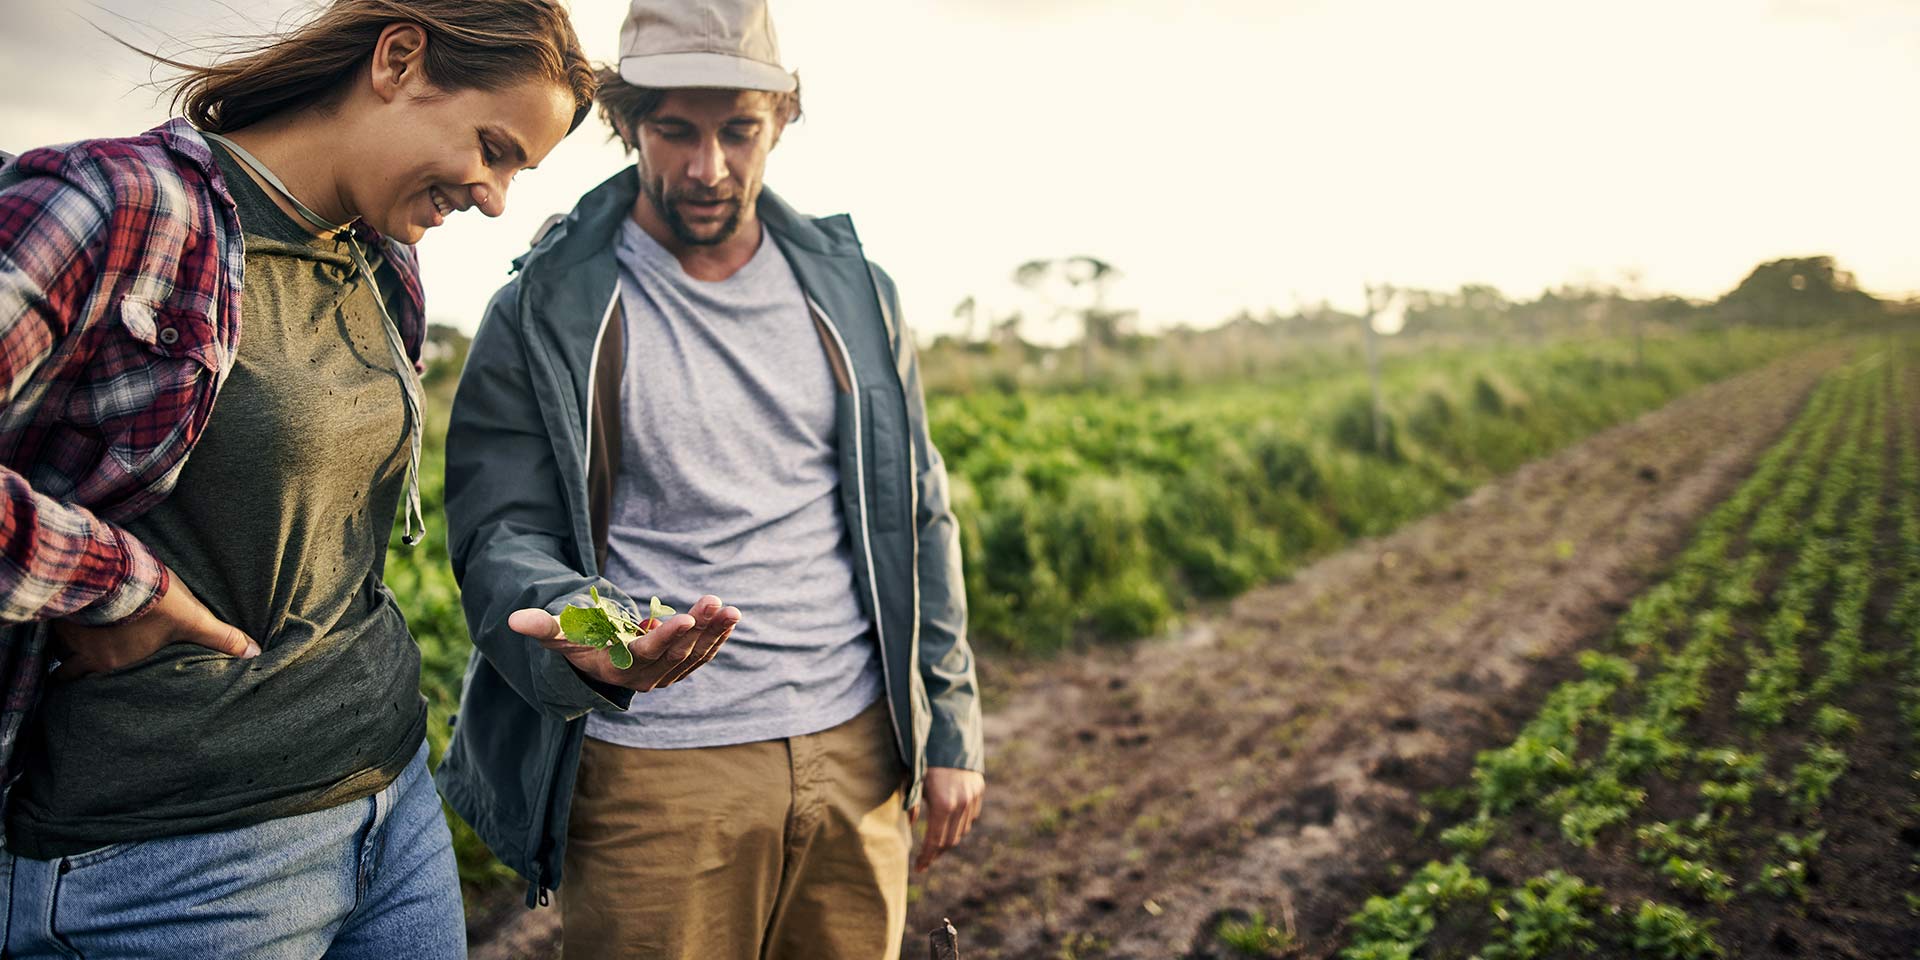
<point x="789" y="849"/>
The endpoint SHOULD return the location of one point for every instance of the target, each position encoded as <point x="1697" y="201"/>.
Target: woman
<point x="230" y="757"/>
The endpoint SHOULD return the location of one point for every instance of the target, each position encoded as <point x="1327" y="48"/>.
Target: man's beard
<point x="667" y="206"/>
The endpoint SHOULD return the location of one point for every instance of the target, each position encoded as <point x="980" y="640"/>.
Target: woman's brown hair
<point x="471" y="44"/>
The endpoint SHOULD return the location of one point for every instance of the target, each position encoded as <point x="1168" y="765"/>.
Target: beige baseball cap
<point x="702" y="43"/>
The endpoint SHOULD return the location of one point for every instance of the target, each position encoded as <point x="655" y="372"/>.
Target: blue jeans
<point x="372" y="879"/>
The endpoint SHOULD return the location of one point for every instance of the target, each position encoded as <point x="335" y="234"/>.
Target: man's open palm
<point x="662" y="656"/>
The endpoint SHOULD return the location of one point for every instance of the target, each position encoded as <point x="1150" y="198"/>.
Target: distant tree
<point x="968" y="313"/>
<point x="1089" y="280"/>
<point x="1798" y="291"/>
<point x="1006" y="328"/>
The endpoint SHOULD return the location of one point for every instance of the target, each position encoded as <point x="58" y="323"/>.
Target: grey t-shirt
<point x="729" y="484"/>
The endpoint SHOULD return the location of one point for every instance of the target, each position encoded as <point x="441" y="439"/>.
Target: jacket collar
<point x="183" y="141"/>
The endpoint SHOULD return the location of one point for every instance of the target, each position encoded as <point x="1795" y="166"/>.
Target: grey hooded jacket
<point x="533" y="448"/>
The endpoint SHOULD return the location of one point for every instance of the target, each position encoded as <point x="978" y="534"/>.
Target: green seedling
<point x="1697" y="878"/>
<point x="1782" y="880"/>
<point x="1637" y="746"/>
<point x="1468" y="837"/>
<point x="1832" y="721"/>
<point x="1548" y="917"/>
<point x="1668" y="933"/>
<point x="1727" y="798"/>
<point x="1398" y="926"/>
<point x="1659" y="841"/>
<point x="1255" y="936"/>
<point x="1812" y="780"/>
<point x="608" y="625"/>
<point x="1801" y="847"/>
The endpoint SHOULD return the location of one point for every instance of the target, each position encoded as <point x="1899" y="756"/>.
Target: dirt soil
<point x="1271" y="759"/>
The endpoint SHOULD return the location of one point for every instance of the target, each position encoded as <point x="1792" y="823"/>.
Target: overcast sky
<point x="1234" y="153"/>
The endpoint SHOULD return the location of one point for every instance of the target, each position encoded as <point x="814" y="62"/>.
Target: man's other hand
<point x="952" y="800"/>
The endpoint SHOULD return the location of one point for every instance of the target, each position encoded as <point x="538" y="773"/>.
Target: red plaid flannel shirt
<point x="120" y="270"/>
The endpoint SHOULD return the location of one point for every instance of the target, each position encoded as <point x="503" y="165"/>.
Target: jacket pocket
<point x="886" y="441"/>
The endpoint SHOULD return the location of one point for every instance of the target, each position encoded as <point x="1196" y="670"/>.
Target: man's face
<point x="702" y="156"/>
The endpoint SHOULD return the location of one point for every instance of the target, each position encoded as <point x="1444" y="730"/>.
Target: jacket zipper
<point x="866" y="524"/>
<point x="538" y="892"/>
<point x="593" y="372"/>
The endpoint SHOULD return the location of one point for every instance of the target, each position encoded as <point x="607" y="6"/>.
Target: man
<point x="690" y="387"/>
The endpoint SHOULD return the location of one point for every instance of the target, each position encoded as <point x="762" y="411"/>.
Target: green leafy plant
<point x="1470" y="836"/>
<point x="1659" y="841"/>
<point x="1727" y="798"/>
<point x="1832" y="721"/>
<point x="1638" y="746"/>
<point x="1255" y="936"/>
<point x="1582" y="822"/>
<point x="1782" y="880"/>
<point x="608" y="625"/>
<point x="1695" y="877"/>
<point x="1661" y="932"/>
<point x="1549" y="914"/>
<point x="1810" y="783"/>
<point x="1802" y="847"/>
<point x="1396" y="926"/>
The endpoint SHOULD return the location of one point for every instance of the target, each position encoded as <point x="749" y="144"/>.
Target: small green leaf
<point x="587" y="626"/>
<point x="604" y="624"/>
<point x="622" y="620"/>
<point x="658" y="610"/>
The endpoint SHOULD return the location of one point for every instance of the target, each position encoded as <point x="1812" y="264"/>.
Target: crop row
<point x="1905" y="568"/>
<point x="1788" y="559"/>
<point x="1098" y="515"/>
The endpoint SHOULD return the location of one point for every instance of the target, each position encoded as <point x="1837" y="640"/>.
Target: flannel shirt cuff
<point x="145" y="582"/>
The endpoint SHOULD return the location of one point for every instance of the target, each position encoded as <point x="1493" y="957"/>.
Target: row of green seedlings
<point x="1540" y="766"/>
<point x="1685" y="851"/>
<point x="1834" y="562"/>
<point x="1906" y="609"/>
<point x="1397" y="926"/>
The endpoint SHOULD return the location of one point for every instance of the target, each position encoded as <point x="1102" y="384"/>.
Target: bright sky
<point x="1235" y="153"/>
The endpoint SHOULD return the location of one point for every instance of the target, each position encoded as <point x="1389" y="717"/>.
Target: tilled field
<point x="1273" y="763"/>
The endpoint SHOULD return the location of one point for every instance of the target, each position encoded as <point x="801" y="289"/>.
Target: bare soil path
<point x="1272" y="758"/>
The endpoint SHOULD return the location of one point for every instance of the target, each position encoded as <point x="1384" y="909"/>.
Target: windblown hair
<point x="471" y="45"/>
<point x="625" y="106"/>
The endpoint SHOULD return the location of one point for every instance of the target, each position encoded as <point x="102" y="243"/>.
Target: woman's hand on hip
<point x="178" y="617"/>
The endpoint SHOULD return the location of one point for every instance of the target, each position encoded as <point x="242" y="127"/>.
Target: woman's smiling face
<point x="427" y="152"/>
